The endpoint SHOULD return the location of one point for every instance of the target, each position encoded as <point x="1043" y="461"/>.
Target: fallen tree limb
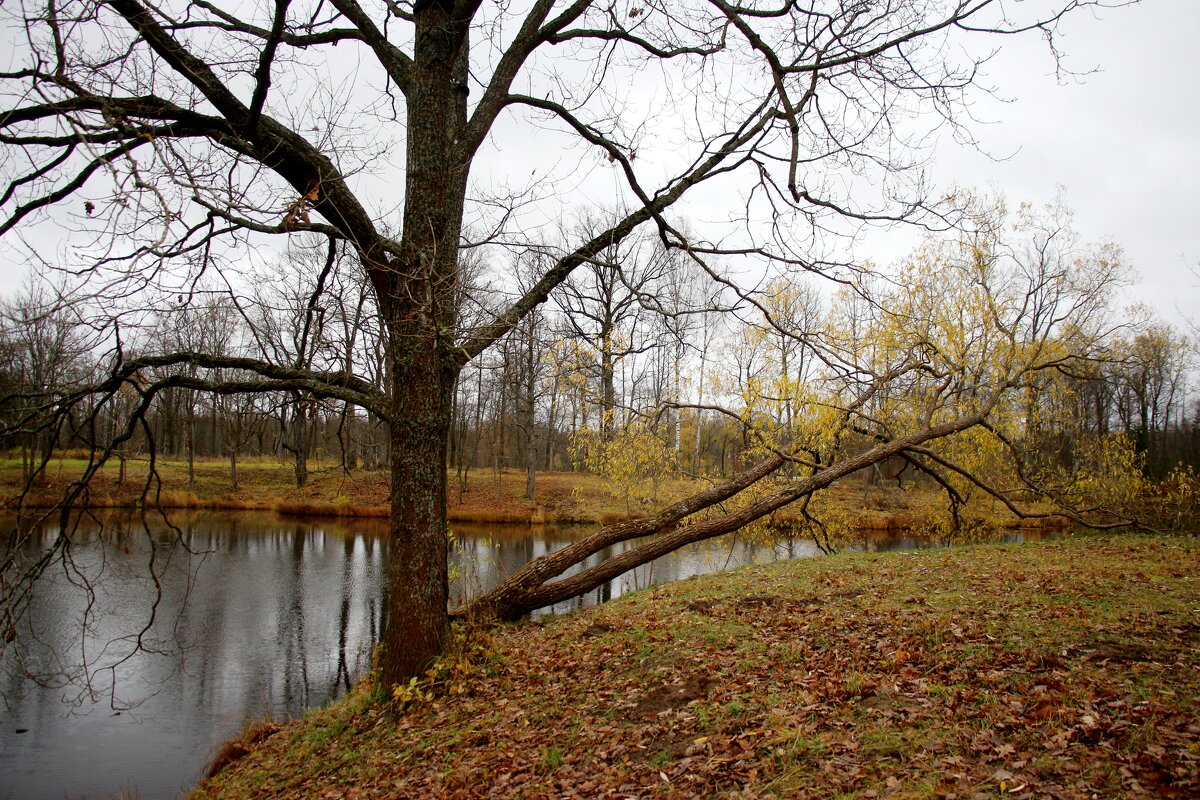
<point x="532" y="587"/>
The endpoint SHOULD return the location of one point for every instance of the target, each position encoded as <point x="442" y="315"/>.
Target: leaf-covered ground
<point x="1058" y="669"/>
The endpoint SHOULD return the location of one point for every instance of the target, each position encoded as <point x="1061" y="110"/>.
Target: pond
<point x="195" y="631"/>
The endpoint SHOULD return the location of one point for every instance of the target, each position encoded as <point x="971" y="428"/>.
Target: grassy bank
<point x="1061" y="669"/>
<point x="485" y="496"/>
<point x="268" y="485"/>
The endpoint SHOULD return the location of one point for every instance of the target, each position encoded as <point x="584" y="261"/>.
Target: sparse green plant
<point x="552" y="758"/>
<point x="450" y="674"/>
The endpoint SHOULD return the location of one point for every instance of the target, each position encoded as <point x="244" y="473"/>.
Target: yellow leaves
<point x="633" y="458"/>
<point x="449" y="675"/>
<point x="413" y="693"/>
<point x="1007" y="320"/>
<point x="829" y="523"/>
<point x="1177" y="500"/>
<point x="571" y="361"/>
<point x="1108" y="477"/>
<point x="1108" y="473"/>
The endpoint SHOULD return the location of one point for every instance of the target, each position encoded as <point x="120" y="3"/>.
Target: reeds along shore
<point x="534" y="516"/>
<point x="483" y="497"/>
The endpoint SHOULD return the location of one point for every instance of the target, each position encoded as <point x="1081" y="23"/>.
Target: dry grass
<point x="293" y="508"/>
<point x="485" y="496"/>
<point x="498" y="517"/>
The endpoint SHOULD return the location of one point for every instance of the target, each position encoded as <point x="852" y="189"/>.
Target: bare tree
<point x="601" y="307"/>
<point x="176" y="139"/>
<point x="47" y="355"/>
<point x="1149" y="384"/>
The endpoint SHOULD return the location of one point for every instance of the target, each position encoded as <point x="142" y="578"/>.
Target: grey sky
<point x="1124" y="141"/>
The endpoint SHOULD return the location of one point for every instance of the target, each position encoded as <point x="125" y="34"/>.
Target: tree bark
<point x="531" y="455"/>
<point x="608" y="394"/>
<point x="191" y="441"/>
<point x="415" y="293"/>
<point x="300" y="443"/>
<point x="418" y="589"/>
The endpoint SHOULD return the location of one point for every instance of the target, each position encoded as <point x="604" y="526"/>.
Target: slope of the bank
<point x="1058" y="669"/>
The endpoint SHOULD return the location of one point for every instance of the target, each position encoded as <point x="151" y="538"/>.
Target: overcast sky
<point x="1124" y="141"/>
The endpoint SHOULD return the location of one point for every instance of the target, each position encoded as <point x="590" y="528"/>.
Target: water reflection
<point x="192" y="631"/>
<point x="189" y="634"/>
<point x="488" y="554"/>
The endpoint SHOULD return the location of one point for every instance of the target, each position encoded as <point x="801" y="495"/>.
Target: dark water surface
<point x="193" y="632"/>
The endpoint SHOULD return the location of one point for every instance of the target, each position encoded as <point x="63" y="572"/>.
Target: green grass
<point x="1074" y="666"/>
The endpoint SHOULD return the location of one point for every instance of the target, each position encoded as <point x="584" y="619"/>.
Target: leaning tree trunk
<point x="533" y="586"/>
<point x="525" y="590"/>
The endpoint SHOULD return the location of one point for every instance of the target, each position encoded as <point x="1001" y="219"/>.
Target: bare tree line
<point x="623" y="340"/>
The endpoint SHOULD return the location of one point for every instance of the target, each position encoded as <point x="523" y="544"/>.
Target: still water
<point x="191" y="632"/>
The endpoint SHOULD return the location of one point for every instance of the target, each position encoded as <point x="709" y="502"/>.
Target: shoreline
<point x="484" y="496"/>
<point x="875" y="523"/>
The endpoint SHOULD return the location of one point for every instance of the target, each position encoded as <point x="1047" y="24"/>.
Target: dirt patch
<point x="701" y="606"/>
<point x="759" y="601"/>
<point x="671" y="696"/>
<point x="1187" y="632"/>
<point x="238" y="749"/>
<point x="1112" y="652"/>
<point x="596" y="629"/>
<point x="768" y="606"/>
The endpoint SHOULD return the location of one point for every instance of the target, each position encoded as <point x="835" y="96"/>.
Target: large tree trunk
<point x="416" y="293"/>
<point x="416" y="625"/>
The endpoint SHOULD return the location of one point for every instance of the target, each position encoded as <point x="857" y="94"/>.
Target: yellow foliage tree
<point x="633" y="459"/>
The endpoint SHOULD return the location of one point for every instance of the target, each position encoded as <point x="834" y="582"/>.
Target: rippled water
<point x="192" y="632"/>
